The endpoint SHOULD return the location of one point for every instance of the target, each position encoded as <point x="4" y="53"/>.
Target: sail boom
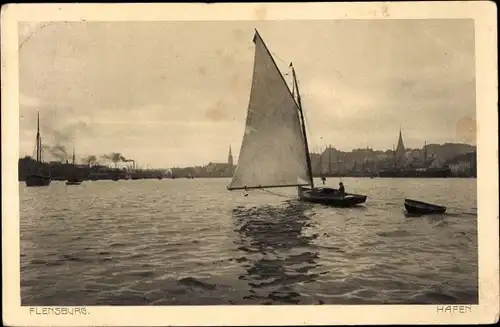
<point x="264" y="186"/>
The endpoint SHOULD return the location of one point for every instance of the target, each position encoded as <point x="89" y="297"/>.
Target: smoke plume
<point x="115" y="157"/>
<point x="57" y="151"/>
<point x="90" y="160"/>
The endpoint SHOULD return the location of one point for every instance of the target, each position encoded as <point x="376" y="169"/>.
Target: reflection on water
<point x="191" y="242"/>
<point x="275" y="240"/>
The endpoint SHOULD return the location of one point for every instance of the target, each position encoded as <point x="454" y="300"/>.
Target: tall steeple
<point x="400" y="150"/>
<point x="230" y="158"/>
<point x="425" y="151"/>
<point x="400" y="141"/>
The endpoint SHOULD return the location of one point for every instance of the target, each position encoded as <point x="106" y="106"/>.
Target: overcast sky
<point x="176" y="93"/>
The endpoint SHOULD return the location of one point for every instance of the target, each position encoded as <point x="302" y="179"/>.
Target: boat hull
<point x="422" y="208"/>
<point x="329" y="197"/>
<point x="37" y="180"/>
<point x="73" y="182"/>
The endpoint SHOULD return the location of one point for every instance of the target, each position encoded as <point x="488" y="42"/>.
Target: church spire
<point x="399" y="154"/>
<point x="425" y="150"/>
<point x="401" y="146"/>
<point x="230" y="157"/>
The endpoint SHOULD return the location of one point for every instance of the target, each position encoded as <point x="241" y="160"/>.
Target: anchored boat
<point x="422" y="208"/>
<point x="73" y="180"/>
<point x="275" y="152"/>
<point x="38" y="178"/>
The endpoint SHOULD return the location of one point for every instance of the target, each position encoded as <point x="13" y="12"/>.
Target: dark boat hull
<point x="73" y="182"/>
<point x="37" y="180"/>
<point x="329" y="197"/>
<point x="422" y="208"/>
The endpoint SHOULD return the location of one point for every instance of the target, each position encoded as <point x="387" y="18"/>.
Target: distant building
<point x="437" y="162"/>
<point x="463" y="165"/>
<point x="315" y="159"/>
<point x="215" y="169"/>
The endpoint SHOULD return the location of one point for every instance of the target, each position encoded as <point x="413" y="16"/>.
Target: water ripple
<point x="192" y="242"/>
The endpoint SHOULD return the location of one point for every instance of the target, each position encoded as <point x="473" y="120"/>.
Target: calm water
<point x="193" y="242"/>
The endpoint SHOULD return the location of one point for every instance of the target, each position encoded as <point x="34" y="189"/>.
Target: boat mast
<point x="38" y="140"/>
<point x="299" y="101"/>
<point x="320" y="163"/>
<point x="74" y="169"/>
<point x="330" y="160"/>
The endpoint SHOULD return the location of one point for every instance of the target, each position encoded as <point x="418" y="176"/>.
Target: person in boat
<point x="323" y="179"/>
<point x="341" y="189"/>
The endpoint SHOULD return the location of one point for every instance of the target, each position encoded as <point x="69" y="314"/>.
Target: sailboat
<point x="274" y="151"/>
<point x="73" y="180"/>
<point x="37" y="178"/>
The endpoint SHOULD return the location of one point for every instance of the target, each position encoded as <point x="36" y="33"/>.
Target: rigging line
<point x="277" y="194"/>
<point x="279" y="58"/>
<point x="288" y="69"/>
<point x="306" y="123"/>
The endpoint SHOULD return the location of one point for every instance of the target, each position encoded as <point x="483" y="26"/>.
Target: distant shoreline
<point x="225" y="177"/>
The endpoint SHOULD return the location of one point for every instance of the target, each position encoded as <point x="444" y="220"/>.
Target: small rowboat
<point x="422" y="208"/>
<point x="73" y="182"/>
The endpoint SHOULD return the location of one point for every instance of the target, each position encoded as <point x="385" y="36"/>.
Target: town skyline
<point x="185" y="105"/>
<point x="121" y="160"/>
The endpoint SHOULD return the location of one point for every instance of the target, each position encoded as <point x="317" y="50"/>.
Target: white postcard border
<point x="484" y="14"/>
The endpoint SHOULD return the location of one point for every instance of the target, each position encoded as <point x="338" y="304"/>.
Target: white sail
<point x="273" y="149"/>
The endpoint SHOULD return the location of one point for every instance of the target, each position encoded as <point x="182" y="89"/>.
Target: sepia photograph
<point x="202" y="163"/>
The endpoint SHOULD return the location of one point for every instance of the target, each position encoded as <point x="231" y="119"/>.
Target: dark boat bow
<point x="422" y="208"/>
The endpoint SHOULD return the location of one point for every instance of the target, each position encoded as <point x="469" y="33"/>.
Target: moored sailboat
<point x="73" y="180"/>
<point x="275" y="152"/>
<point x="38" y="178"/>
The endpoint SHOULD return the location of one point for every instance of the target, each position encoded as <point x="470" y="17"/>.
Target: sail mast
<point x="74" y="162"/>
<point x="38" y="142"/>
<point x="320" y="163"/>
<point x="330" y="160"/>
<point x="299" y="102"/>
